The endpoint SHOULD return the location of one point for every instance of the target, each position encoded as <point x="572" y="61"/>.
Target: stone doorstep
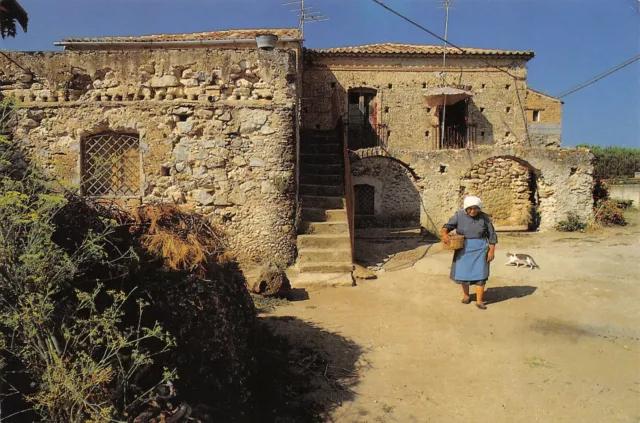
<point x="313" y="281"/>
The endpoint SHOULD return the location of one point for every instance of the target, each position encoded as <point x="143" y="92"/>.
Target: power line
<point x="599" y="77"/>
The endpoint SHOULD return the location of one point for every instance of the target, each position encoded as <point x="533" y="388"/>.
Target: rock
<point x="190" y="82"/>
<point x="256" y="162"/>
<point x="225" y="117"/>
<point x="267" y="130"/>
<point x="203" y="197"/>
<point x="185" y="127"/>
<point x="361" y="272"/>
<point x="164" y="81"/>
<point x="268" y="281"/>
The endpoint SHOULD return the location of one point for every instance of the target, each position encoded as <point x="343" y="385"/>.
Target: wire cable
<point x="598" y="77"/>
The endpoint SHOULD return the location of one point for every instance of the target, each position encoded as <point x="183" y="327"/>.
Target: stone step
<point x="322" y="179"/>
<point x="326" y="267"/>
<point x="324" y="241"/>
<point x="328" y="190"/>
<point x="322" y="202"/>
<point x="309" y="228"/>
<point x="312" y="214"/>
<point x="321" y="169"/>
<point x="323" y="148"/>
<point x="313" y="255"/>
<point x="322" y="159"/>
<point x="313" y="281"/>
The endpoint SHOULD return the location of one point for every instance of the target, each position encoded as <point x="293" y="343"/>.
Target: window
<point x="111" y="165"/>
<point x="536" y="115"/>
<point x="508" y="109"/>
<point x="365" y="200"/>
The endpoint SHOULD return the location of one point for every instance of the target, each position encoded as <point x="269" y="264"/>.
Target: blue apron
<point x="470" y="263"/>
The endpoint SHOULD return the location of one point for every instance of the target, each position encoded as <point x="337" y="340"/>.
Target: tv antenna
<point x="305" y="14"/>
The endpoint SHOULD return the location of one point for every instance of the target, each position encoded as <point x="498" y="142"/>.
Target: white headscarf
<point x="471" y="201"/>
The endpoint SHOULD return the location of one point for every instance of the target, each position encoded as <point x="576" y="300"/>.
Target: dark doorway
<point x="365" y="200"/>
<point x="362" y="118"/>
<point x="456" y="132"/>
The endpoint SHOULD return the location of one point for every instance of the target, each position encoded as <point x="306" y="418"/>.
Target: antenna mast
<point x="447" y="5"/>
<point x="305" y="14"/>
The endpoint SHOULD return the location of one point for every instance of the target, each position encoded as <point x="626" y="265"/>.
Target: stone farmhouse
<point x="290" y="148"/>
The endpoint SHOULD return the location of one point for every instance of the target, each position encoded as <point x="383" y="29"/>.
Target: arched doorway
<point x="508" y="189"/>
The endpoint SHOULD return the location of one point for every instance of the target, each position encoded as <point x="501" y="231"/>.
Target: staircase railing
<point x="341" y="134"/>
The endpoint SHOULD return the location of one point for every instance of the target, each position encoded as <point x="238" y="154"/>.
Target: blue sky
<point x="574" y="40"/>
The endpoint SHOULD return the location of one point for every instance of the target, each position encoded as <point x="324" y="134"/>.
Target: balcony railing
<point x="457" y="137"/>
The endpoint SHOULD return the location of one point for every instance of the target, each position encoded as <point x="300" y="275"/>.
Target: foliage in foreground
<point x="571" y="224"/>
<point x="61" y="327"/>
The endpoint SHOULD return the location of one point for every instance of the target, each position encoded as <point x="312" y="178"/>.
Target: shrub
<point x="61" y="330"/>
<point x="607" y="213"/>
<point x="572" y="224"/>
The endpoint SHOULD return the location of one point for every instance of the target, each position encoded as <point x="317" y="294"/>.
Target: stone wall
<point x="397" y="199"/>
<point x="504" y="185"/>
<point x="563" y="177"/>
<point x="547" y="130"/>
<point x="217" y="130"/>
<point x="496" y="109"/>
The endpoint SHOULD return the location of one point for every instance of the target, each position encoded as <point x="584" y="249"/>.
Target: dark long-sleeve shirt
<point x="473" y="227"/>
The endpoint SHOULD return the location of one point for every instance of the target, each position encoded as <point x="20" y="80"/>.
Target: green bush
<point x="572" y="224"/>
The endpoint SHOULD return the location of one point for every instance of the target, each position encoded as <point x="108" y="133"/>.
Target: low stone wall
<point x="564" y="179"/>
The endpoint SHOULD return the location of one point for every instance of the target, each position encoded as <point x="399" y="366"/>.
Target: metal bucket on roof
<point x="266" y="41"/>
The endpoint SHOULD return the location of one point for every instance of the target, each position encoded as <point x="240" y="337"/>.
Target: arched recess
<point x="396" y="196"/>
<point x="508" y="187"/>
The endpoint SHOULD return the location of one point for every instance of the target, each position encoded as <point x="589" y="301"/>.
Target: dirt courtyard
<point x="559" y="344"/>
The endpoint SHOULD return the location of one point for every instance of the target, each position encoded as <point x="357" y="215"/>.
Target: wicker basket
<point x="457" y="242"/>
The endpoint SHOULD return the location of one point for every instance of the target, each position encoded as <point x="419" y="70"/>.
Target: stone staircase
<point x="324" y="244"/>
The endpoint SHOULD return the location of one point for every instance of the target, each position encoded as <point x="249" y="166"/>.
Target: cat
<point x="524" y="259"/>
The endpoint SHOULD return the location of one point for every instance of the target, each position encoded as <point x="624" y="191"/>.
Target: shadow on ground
<point x="504" y="293"/>
<point x="305" y="372"/>
<point x="391" y="253"/>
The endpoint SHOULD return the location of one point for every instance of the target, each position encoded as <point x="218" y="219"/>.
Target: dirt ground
<point x="559" y="344"/>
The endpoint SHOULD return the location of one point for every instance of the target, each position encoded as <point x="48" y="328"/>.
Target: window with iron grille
<point x="365" y="200"/>
<point x="111" y="165"/>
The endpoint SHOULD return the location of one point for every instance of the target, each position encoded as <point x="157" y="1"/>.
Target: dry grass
<point x="184" y="240"/>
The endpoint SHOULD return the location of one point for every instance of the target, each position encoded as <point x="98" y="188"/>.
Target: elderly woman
<point x="471" y="263"/>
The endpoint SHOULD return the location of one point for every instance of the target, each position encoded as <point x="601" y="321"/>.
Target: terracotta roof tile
<point x="394" y="48"/>
<point x="234" y="34"/>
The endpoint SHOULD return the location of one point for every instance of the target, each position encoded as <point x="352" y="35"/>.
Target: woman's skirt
<point x="470" y="263"/>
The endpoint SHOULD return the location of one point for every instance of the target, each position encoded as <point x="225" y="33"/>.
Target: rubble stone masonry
<point x="216" y="127"/>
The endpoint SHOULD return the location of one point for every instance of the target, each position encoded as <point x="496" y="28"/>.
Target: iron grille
<point x="365" y="200"/>
<point x="111" y="165"/>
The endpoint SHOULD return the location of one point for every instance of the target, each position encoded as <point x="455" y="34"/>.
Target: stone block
<point x="203" y="197"/>
<point x="164" y="81"/>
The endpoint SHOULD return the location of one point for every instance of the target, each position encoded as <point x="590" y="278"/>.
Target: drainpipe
<point x="160" y="44"/>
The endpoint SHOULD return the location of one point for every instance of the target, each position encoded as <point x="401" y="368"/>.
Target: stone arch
<point x="508" y="187"/>
<point x="397" y="198"/>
